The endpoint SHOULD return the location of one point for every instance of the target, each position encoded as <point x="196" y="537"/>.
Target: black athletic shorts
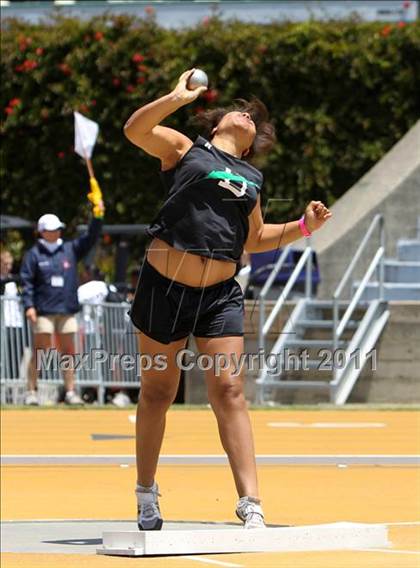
<point x="167" y="310"/>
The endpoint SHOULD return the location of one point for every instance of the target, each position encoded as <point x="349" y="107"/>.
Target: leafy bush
<point x="340" y="93"/>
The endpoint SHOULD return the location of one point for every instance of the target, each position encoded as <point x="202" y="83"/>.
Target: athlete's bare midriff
<point x="187" y="268"/>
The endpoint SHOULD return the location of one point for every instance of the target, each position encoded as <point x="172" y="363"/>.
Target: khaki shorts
<point x="60" y="323"/>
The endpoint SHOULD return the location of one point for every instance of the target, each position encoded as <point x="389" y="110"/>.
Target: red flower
<point x="206" y="21"/>
<point x="141" y="80"/>
<point x="138" y="58"/>
<point x="27" y="65"/>
<point x="39" y="51"/>
<point x="386" y="30"/>
<point x="93" y="102"/>
<point x="8" y="110"/>
<point x="142" y="68"/>
<point x="24" y="42"/>
<point x="130" y="88"/>
<point x="14" y="102"/>
<point x="211" y="95"/>
<point x="65" y="68"/>
<point x="401" y="24"/>
<point x="84" y="108"/>
<point x="61" y="155"/>
<point x="116" y="82"/>
<point x="99" y="36"/>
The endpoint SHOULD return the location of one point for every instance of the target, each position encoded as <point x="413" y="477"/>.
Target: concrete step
<point x="408" y="249"/>
<point x="393" y="291"/>
<point x="402" y="271"/>
<point x="326" y="303"/>
<point x="326" y="314"/>
<point x="313" y="343"/>
<point x="292" y="365"/>
<point x="323" y="324"/>
<point x="297" y="384"/>
<point x="323" y="309"/>
<point x="323" y="333"/>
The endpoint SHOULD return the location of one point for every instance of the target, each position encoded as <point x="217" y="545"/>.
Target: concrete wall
<point x="396" y="379"/>
<point x="397" y="376"/>
<point x="391" y="187"/>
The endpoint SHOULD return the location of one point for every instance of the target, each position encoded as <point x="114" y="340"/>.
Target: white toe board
<point x="334" y="536"/>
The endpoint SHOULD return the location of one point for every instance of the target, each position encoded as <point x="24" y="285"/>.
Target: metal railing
<point x="105" y="344"/>
<point x="377" y="261"/>
<point x="264" y="325"/>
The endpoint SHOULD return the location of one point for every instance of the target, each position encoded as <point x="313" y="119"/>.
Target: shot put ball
<point x="197" y="79"/>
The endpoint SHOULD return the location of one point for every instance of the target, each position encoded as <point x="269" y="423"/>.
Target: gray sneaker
<point x="250" y="512"/>
<point x="148" y="512"/>
<point x="31" y="398"/>
<point x="73" y="399"/>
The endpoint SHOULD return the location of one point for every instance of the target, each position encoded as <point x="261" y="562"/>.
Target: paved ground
<point x="82" y="496"/>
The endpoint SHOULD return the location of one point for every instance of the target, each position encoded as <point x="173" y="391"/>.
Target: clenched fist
<point x="315" y="215"/>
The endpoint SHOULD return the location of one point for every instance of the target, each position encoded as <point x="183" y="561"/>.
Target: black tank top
<point x="211" y="194"/>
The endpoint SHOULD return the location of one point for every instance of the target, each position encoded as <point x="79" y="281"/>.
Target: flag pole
<point x="89" y="166"/>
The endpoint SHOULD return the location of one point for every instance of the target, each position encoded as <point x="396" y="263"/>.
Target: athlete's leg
<point x="158" y="391"/>
<point x="226" y="396"/>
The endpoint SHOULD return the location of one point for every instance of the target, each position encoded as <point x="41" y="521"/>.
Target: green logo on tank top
<point x="226" y="177"/>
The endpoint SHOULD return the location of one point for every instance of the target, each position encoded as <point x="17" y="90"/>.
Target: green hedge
<point x="341" y="94"/>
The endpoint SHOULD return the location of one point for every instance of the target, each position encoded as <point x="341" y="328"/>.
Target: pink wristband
<point x="303" y="228"/>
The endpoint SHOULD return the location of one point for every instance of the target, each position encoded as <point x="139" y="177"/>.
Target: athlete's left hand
<point x="315" y="215"/>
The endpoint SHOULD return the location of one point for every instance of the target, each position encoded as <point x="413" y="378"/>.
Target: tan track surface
<point x="195" y="432"/>
<point x="292" y="494"/>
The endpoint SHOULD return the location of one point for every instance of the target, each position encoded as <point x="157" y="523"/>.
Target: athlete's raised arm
<point x="143" y="130"/>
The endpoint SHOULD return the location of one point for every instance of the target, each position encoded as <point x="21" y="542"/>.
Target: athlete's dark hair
<point x="266" y="134"/>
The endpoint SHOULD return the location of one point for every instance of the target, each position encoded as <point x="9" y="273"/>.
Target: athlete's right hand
<point x="31" y="314"/>
<point x="181" y="91"/>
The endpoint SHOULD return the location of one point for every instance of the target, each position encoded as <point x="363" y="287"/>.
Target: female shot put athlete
<point x="187" y="284"/>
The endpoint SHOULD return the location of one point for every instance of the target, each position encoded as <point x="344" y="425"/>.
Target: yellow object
<point x="95" y="197"/>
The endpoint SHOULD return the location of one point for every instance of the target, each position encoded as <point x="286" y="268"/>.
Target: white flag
<point x="85" y="134"/>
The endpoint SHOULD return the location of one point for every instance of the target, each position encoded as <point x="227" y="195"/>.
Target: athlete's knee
<point x="228" y="393"/>
<point x="156" y="395"/>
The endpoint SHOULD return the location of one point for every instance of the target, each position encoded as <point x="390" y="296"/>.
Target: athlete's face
<point x="239" y="122"/>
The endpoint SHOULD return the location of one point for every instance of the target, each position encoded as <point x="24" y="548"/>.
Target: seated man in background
<point x="49" y="279"/>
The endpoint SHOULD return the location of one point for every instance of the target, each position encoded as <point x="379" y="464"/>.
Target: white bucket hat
<point x="49" y="222"/>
